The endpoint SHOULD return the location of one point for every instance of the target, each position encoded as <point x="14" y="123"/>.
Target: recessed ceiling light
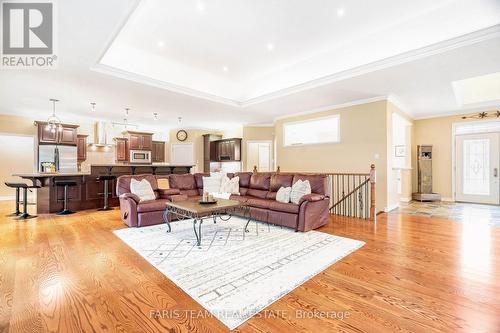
<point x="225" y="69"/>
<point x="160" y="43"/>
<point x="200" y="6"/>
<point x="270" y="46"/>
<point x="340" y="12"/>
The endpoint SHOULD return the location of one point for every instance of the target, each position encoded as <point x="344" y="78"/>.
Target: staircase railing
<point x="353" y="194"/>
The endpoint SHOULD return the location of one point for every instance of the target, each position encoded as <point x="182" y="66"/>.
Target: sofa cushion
<point x="319" y="183"/>
<point x="152" y="206"/>
<point x="259" y="203"/>
<point x="190" y="193"/>
<point x="284" y="207"/>
<point x="278" y="181"/>
<point x="260" y="181"/>
<point x="271" y="195"/>
<point x="256" y="193"/>
<point x="199" y="179"/>
<point x="244" y="178"/>
<point x="239" y="198"/>
<point x="183" y="182"/>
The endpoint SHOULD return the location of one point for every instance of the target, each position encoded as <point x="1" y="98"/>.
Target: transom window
<point x="313" y="131"/>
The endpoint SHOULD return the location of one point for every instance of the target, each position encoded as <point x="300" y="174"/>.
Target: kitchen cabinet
<point x="81" y="147"/>
<point x="158" y="151"/>
<point x="67" y="136"/>
<point x="225" y="150"/>
<point x="121" y="149"/>
<point x="139" y="140"/>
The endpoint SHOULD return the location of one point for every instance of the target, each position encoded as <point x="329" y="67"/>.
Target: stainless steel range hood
<point x="101" y="135"/>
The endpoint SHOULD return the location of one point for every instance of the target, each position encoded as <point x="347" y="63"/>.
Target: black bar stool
<point x="106" y="179"/>
<point x="17" y="186"/>
<point x="25" y="203"/>
<point x="66" y="184"/>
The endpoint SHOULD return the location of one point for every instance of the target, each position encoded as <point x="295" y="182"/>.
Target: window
<point x="319" y="130"/>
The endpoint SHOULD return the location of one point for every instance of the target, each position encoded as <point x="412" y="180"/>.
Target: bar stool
<point x="106" y="179"/>
<point x="25" y="203"/>
<point x="17" y="186"/>
<point x="66" y="184"/>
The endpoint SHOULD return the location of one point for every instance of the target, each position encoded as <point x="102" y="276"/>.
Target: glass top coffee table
<point x="192" y="209"/>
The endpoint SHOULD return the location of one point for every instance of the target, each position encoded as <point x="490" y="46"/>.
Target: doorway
<point x="259" y="154"/>
<point x="477" y="168"/>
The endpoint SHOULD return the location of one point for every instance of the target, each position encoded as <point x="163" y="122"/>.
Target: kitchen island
<point x="87" y="194"/>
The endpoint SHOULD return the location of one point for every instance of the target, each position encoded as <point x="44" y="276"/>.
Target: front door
<point x="477" y="163"/>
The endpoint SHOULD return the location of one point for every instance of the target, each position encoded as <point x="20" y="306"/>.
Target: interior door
<point x="264" y="157"/>
<point x="477" y="163"/>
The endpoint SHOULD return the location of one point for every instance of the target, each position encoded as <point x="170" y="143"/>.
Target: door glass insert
<point x="476" y="176"/>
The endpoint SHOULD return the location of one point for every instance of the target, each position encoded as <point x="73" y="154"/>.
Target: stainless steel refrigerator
<point x="63" y="157"/>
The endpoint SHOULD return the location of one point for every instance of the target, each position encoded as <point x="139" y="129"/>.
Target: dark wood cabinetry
<point x="81" y="147"/>
<point x="228" y="150"/>
<point x="122" y="149"/>
<point x="66" y="136"/>
<point x="158" y="151"/>
<point x="216" y="149"/>
<point x="139" y="140"/>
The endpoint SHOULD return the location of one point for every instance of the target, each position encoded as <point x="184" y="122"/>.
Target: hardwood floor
<point x="415" y="274"/>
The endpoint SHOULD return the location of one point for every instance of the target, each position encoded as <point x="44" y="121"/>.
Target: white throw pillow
<point x="299" y="189"/>
<point x="142" y="189"/>
<point x="211" y="184"/>
<point x="283" y="194"/>
<point x="230" y="185"/>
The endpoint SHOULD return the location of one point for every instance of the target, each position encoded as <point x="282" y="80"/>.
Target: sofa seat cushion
<point x="284" y="207"/>
<point x="259" y="203"/>
<point x="190" y="193"/>
<point x="240" y="198"/>
<point x="152" y="206"/>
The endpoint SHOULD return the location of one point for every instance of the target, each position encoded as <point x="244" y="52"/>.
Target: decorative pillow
<point x="299" y="189"/>
<point x="163" y="184"/>
<point x="230" y="185"/>
<point x="211" y="184"/>
<point x="283" y="194"/>
<point x="142" y="189"/>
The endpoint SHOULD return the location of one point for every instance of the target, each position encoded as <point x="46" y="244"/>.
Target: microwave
<point x="140" y="156"/>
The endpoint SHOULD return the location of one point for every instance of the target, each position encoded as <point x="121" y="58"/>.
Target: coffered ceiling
<point x="218" y="63"/>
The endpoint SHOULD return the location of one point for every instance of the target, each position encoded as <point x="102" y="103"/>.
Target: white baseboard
<point x="391" y="207"/>
<point x="405" y="199"/>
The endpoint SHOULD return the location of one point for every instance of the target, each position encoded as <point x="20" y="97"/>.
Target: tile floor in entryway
<point x="455" y="211"/>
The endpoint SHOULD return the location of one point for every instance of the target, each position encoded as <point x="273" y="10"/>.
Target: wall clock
<point x="182" y="135"/>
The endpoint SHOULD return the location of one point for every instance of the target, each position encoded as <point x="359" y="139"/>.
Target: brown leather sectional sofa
<point x="257" y="190"/>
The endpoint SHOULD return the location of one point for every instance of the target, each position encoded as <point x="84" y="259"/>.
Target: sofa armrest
<point x="167" y="193"/>
<point x="312" y="197"/>
<point x="131" y="196"/>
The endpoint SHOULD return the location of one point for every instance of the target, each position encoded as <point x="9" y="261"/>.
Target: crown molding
<point x="460" y="112"/>
<point x="109" y="70"/>
<point x="333" y="107"/>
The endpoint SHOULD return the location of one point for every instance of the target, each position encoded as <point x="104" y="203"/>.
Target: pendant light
<point x="53" y="122"/>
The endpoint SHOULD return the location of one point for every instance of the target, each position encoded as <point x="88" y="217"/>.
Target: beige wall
<point x="438" y="133"/>
<point x="363" y="141"/>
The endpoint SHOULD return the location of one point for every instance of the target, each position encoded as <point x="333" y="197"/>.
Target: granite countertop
<point x="50" y="174"/>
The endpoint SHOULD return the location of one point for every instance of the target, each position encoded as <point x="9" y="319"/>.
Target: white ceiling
<point x="410" y="50"/>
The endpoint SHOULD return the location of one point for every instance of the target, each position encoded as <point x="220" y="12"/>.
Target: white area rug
<point x="235" y="275"/>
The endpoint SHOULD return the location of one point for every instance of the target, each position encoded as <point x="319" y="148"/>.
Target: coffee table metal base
<point x="182" y="214"/>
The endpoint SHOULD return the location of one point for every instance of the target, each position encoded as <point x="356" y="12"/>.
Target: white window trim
<point x="337" y="140"/>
